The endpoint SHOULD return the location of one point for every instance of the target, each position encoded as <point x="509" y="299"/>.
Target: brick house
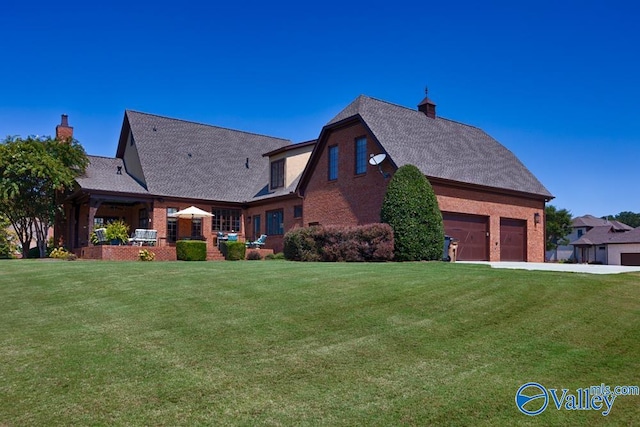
<point x="256" y="184"/>
<point x="490" y="201"/>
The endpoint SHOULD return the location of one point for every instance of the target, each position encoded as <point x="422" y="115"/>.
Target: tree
<point x="33" y="172"/>
<point x="626" y="217"/>
<point x="558" y="226"/>
<point x="6" y="239"/>
<point x="411" y="209"/>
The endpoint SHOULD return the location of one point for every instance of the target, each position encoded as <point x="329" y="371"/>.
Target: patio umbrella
<point x="190" y="213"/>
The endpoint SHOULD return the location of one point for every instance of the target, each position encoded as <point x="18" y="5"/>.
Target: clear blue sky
<point x="557" y="82"/>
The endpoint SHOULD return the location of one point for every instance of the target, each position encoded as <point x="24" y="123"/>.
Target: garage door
<point x="630" y="259"/>
<point x="513" y="240"/>
<point x="472" y="233"/>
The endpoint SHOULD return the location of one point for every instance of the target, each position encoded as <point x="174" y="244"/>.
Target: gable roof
<point x="592" y="221"/>
<point x="102" y="175"/>
<point x="607" y="234"/>
<point x="192" y="160"/>
<point x="439" y="147"/>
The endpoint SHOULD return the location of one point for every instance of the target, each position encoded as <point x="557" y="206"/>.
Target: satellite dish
<point x="377" y="159"/>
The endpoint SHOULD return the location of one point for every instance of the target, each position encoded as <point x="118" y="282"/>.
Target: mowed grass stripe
<point x="281" y="343"/>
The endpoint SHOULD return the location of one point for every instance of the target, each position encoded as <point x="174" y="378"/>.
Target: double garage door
<point x="630" y="259"/>
<point x="472" y="233"/>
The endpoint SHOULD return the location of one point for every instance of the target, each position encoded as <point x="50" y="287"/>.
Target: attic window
<point x="277" y="174"/>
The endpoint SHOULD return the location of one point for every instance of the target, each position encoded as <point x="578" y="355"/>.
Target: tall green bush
<point x="191" y="250"/>
<point x="410" y="207"/>
<point x="233" y="251"/>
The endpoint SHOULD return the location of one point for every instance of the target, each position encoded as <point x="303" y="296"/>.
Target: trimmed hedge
<point x="191" y="250"/>
<point x="372" y="242"/>
<point x="233" y="251"/>
<point x="411" y="208"/>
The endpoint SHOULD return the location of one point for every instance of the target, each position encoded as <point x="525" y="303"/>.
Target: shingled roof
<point x="442" y="148"/>
<point x="601" y="235"/>
<point x="191" y="160"/>
<point x="102" y="175"/>
<point x="592" y="221"/>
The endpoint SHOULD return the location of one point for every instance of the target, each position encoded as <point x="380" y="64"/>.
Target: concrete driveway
<point x="570" y="268"/>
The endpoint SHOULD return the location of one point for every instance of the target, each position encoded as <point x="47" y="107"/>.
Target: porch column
<point x="94" y="204"/>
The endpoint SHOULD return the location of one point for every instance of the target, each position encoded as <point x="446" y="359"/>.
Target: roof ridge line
<point x="207" y="125"/>
<point x="418" y="111"/>
<point x="103" y="157"/>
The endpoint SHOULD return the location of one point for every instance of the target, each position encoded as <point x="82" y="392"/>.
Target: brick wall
<point x="125" y="253"/>
<point x="496" y="206"/>
<point x="274" y="242"/>
<point x="356" y="199"/>
<point x="351" y="199"/>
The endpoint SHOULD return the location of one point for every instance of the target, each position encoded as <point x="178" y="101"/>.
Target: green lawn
<point x="282" y="343"/>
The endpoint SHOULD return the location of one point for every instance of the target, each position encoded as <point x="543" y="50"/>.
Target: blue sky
<point x="557" y="82"/>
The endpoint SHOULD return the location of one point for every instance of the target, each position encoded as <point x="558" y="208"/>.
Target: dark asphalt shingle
<point x="101" y="175"/>
<point x="192" y="160"/>
<point x="442" y="148"/>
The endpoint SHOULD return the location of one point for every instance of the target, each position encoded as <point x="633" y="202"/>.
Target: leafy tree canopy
<point x="558" y="226"/>
<point x="411" y="209"/>
<point x="33" y="172"/>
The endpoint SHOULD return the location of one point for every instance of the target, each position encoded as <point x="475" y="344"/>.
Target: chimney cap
<point x="64" y="120"/>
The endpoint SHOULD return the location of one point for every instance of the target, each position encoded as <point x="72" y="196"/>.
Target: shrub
<point x="191" y="250"/>
<point x="254" y="256"/>
<point x="411" y="208"/>
<point x="118" y="230"/>
<point x="62" y="253"/>
<point x="233" y="251"/>
<point x="300" y="244"/>
<point x="278" y="256"/>
<point x="147" y="255"/>
<point x="373" y="242"/>
<point x="33" y="252"/>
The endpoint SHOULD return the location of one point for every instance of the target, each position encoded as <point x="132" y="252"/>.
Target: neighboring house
<point x="613" y="244"/>
<point x="255" y="184"/>
<point x="581" y="226"/>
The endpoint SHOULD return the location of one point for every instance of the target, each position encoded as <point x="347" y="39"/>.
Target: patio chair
<point x="151" y="237"/>
<point x="221" y="237"/>
<point x="258" y="243"/>
<point x="101" y="235"/>
<point x="138" y="237"/>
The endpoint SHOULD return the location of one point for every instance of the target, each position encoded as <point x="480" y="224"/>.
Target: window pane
<point x="275" y="224"/>
<point x="172" y="225"/>
<point x="361" y="155"/>
<point x="196" y="227"/>
<point x="225" y="220"/>
<point x="333" y="163"/>
<point x="277" y="174"/>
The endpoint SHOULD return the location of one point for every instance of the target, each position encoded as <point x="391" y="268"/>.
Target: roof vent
<point x="119" y="170"/>
<point x="427" y="106"/>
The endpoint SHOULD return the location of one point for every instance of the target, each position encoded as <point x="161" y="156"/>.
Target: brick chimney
<point x="63" y="130"/>
<point x="427" y="106"/>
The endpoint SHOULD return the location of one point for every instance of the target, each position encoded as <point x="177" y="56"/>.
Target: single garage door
<point x="472" y="233"/>
<point x="630" y="259"/>
<point x="513" y="240"/>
